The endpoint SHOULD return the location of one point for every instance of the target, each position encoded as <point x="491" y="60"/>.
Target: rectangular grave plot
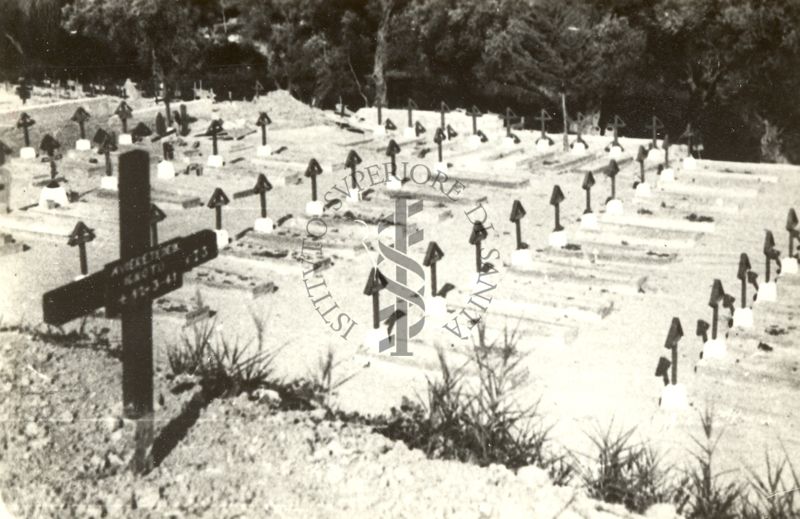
<point x="599" y="253"/>
<point x="600" y="281"/>
<point x="227" y="280"/>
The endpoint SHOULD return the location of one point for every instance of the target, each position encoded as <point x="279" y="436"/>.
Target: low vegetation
<point x="470" y="413"/>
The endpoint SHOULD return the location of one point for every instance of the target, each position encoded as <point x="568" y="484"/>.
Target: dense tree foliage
<point x="731" y="67"/>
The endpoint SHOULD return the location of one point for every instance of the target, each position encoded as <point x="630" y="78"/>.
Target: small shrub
<point x="703" y="494"/>
<point x="622" y="472"/>
<point x="224" y="367"/>
<point x="483" y="424"/>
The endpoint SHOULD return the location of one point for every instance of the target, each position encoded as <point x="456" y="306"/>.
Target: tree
<point x="164" y="37"/>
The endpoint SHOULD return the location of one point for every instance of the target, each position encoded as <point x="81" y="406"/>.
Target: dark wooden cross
<point x="379" y="106"/>
<point x="81" y="116"/>
<point x="654" y="126"/>
<point x="474" y="113"/>
<point x="261" y="189"/>
<point x="615" y="125"/>
<point x="312" y="171"/>
<point x="411" y="107"/>
<point x="478" y="234"/>
<point x="24" y="123"/>
<point x="161" y="125"/>
<point x="543" y="118"/>
<point x="666" y="144"/>
<point x="258" y="89"/>
<point x="352" y="161"/>
<point x="689" y="134"/>
<point x="418" y="128"/>
<point x="166" y="98"/>
<point x="432" y="257"/>
<point x="217" y="201"/>
<point x="507" y="118"/>
<point x="451" y="133"/>
<point x="611" y="171"/>
<point x="517" y="213"/>
<point x="443" y="109"/>
<point x="556" y="197"/>
<point x="641" y="156"/>
<point x="127" y="288"/>
<point x="392" y="149"/>
<point x="580" y="122"/>
<point x="49" y="145"/>
<point x="770" y="254"/>
<point x="588" y="183"/>
<point x="742" y="275"/>
<point x="375" y="283"/>
<point x="439" y="138"/>
<point x="24" y="91"/>
<point x="80" y="236"/>
<point x="717" y="295"/>
<point x="673" y="337"/>
<point x="105" y="146"/>
<point x="263" y="121"/>
<point x="794" y="232"/>
<point x="124" y="113"/>
<point x="214" y="130"/>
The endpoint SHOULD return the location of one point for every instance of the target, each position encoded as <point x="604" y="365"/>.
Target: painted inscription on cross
<point x="127" y="288"/>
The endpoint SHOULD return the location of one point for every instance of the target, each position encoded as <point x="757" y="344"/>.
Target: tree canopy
<point x="730" y="67"/>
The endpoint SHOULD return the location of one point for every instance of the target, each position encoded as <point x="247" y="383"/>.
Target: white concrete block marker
<point x="673" y="396"/>
<point x="713" y="347"/>
<point x="263" y="150"/>
<point x="125" y="139"/>
<point x="521" y="256"/>
<point x="165" y="170"/>
<point x="314" y="206"/>
<point x="217" y="201"/>
<point x="558" y="238"/>
<point x="24" y="123"/>
<point x="80" y="117"/>
<point x="53" y="193"/>
<point x="789" y="265"/>
<point x="376" y="338"/>
<point x="743" y="316"/>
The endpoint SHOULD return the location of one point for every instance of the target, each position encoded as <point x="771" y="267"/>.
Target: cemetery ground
<point x="591" y="317"/>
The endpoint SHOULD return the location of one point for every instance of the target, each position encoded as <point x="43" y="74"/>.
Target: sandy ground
<point x="602" y="370"/>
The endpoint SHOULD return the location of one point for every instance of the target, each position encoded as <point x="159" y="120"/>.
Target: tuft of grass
<point x="704" y="494"/>
<point x="778" y="493"/>
<point x="478" y="419"/>
<point x="83" y="337"/>
<point x="225" y="367"/>
<point x="625" y="472"/>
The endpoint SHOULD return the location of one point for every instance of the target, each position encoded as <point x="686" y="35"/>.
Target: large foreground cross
<point x="127" y="288"/>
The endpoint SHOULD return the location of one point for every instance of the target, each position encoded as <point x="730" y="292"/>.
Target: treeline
<point x="730" y="67"/>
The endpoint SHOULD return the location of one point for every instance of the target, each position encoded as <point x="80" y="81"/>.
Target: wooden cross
<point x="615" y="125"/>
<point x="543" y="118"/>
<point x="474" y="113"/>
<point x="654" y="126"/>
<point x="689" y="134"/>
<point x="124" y="113"/>
<point x="80" y="236"/>
<point x="507" y="120"/>
<point x="411" y="107"/>
<point x="25" y="122"/>
<point x="517" y="213"/>
<point x="166" y="97"/>
<point x="217" y="201"/>
<point x="127" y="288"/>
<point x="443" y="109"/>
<point x="263" y="121"/>
<point x="81" y="116"/>
<point x="312" y="171"/>
<point x="432" y="257"/>
<point x="479" y="233"/>
<point x="556" y="197"/>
